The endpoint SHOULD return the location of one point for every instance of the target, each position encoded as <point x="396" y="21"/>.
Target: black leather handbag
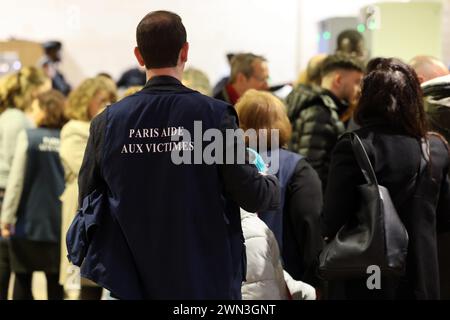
<point x="375" y="236"/>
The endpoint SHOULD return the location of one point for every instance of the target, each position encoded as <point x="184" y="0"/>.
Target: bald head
<point x="428" y="68"/>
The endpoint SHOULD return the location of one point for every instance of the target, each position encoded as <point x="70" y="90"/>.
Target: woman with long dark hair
<point x="393" y="123"/>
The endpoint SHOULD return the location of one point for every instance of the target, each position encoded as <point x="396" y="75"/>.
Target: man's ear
<point x="240" y="77"/>
<point x="139" y="58"/>
<point x="184" y="53"/>
<point x="337" y="81"/>
<point x="421" y="78"/>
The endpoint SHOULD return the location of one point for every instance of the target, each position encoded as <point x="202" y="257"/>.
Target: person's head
<point x="47" y="110"/>
<point x="391" y="93"/>
<point x="52" y="50"/>
<point x="249" y="71"/>
<point x="230" y="57"/>
<point x="161" y="41"/>
<point x="428" y="68"/>
<point x="105" y="74"/>
<point x="197" y="80"/>
<point x="90" y="97"/>
<point x="342" y="75"/>
<point x="18" y="90"/>
<point x="262" y="110"/>
<point x="351" y="42"/>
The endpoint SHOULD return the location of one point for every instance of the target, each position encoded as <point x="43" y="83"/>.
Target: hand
<point x="7" y="230"/>
<point x="50" y="70"/>
<point x="318" y="294"/>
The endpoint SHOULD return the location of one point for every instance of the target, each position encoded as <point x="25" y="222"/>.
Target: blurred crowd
<point x="44" y="129"/>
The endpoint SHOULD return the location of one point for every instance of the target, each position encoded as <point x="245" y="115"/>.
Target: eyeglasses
<point x="261" y="79"/>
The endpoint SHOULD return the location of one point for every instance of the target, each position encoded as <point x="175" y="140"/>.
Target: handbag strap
<point x="369" y="174"/>
<point x="363" y="159"/>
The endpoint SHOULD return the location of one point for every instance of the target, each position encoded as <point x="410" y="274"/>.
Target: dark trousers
<point x="91" y="293"/>
<point x="22" y="287"/>
<point x="5" y="264"/>
<point x="5" y="268"/>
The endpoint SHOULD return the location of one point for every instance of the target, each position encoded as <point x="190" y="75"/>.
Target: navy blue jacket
<point x="155" y="230"/>
<point x="296" y="224"/>
<point x="39" y="211"/>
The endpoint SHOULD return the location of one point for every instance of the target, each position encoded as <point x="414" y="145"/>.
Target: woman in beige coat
<point x="84" y="103"/>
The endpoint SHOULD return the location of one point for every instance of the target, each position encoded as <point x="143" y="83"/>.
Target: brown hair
<point x="341" y="61"/>
<point x="262" y="110"/>
<point x="160" y="36"/>
<point x="52" y="103"/>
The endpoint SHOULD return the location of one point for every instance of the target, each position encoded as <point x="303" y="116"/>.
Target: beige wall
<point x="409" y="29"/>
<point x="446" y="32"/>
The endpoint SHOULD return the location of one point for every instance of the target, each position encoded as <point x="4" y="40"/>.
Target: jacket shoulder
<point x="439" y="146"/>
<point x="75" y="127"/>
<point x="193" y="97"/>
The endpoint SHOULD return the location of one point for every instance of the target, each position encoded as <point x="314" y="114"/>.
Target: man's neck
<point x="233" y="94"/>
<point x="176" y="73"/>
<point x="341" y="104"/>
<point x="237" y="89"/>
<point x="330" y="89"/>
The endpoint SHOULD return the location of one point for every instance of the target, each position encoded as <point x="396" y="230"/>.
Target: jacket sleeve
<point x="304" y="204"/>
<point x="243" y="183"/>
<point x="443" y="206"/>
<point x="10" y="133"/>
<point x="341" y="192"/>
<point x="14" y="188"/>
<point x="278" y="272"/>
<point x="90" y="177"/>
<point x="73" y="145"/>
<point x="317" y="137"/>
<point x="298" y="289"/>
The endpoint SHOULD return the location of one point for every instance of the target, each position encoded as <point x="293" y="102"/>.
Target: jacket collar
<point x="164" y="83"/>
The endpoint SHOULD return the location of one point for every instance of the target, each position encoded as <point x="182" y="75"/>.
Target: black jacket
<point x="395" y="158"/>
<point x="437" y="106"/>
<point x="303" y="206"/>
<point x="222" y="95"/>
<point x="314" y="115"/>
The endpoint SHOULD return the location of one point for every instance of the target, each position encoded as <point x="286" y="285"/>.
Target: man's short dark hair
<point x="160" y="36"/>
<point x="341" y="61"/>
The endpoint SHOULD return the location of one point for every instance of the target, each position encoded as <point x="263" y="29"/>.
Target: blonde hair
<point x="18" y="90"/>
<point x="197" y="80"/>
<point x="79" y="99"/>
<point x="130" y="91"/>
<point x="262" y="110"/>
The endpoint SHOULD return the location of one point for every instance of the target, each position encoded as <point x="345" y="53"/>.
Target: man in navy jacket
<point x="165" y="231"/>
